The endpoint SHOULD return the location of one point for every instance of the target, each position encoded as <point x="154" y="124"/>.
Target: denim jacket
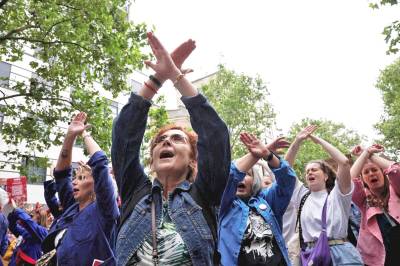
<point x="213" y="171"/>
<point x="234" y="212"/>
<point x="21" y="224"/>
<point x="89" y="232"/>
<point x="50" y="190"/>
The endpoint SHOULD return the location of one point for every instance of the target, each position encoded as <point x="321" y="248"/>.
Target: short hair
<point x="192" y="136"/>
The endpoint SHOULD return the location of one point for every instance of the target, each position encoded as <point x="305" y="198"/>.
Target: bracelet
<point x="150" y="87"/>
<point x="178" y="78"/>
<point x="270" y="156"/>
<point x="155" y="81"/>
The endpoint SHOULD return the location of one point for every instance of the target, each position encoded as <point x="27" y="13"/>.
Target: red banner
<point x="16" y="188"/>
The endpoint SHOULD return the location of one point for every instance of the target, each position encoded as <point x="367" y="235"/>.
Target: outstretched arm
<point x="174" y="63"/>
<point x="343" y="172"/>
<point x="62" y="172"/>
<point x="295" y="146"/>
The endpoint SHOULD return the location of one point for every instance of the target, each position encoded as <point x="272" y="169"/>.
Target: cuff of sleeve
<point x="62" y="173"/>
<point x="97" y="156"/>
<point x="236" y="173"/>
<point x="348" y="194"/>
<point x="191" y="101"/>
<point x="139" y="101"/>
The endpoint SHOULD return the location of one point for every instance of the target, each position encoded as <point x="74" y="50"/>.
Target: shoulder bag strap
<point x="154" y="233"/>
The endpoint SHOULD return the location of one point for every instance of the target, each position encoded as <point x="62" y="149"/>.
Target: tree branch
<point x="3" y="2"/>
<point x="47" y="42"/>
<point x="15" y="31"/>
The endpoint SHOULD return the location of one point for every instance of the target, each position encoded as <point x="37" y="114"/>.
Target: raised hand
<point x="278" y="143"/>
<point x="357" y="150"/>
<point x="77" y="125"/>
<point x="306" y="132"/>
<point x="181" y="53"/>
<point x="254" y="145"/>
<point x="165" y="66"/>
<point x="376" y="148"/>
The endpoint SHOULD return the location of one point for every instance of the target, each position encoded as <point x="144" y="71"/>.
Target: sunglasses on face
<point x="174" y="138"/>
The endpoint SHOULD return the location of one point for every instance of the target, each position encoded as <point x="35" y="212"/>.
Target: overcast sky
<point x="319" y="58"/>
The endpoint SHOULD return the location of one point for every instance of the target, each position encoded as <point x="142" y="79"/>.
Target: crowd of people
<point x="197" y="205"/>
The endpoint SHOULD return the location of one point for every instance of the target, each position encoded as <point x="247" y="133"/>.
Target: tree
<point x="392" y="31"/>
<point x="335" y="133"/>
<point x="389" y="85"/>
<point x="158" y="118"/>
<point x="241" y="101"/>
<point x="74" y="43"/>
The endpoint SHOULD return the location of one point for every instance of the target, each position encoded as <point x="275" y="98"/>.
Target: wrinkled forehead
<point x="313" y="165"/>
<point x="174" y="132"/>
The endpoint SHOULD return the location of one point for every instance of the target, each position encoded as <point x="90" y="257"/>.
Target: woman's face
<point x="172" y="153"/>
<point x="315" y="177"/>
<point x="83" y="185"/>
<point x="373" y="176"/>
<point x="244" y="188"/>
<point x="266" y="181"/>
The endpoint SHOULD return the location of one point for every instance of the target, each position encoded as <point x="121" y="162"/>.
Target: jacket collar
<point x="183" y="186"/>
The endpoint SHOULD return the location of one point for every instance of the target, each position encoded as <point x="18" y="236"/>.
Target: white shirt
<point x="337" y="214"/>
<point x="290" y="234"/>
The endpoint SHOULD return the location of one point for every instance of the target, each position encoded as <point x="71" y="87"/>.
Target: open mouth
<point x="311" y="178"/>
<point x="241" y="186"/>
<point x="75" y="190"/>
<point x="166" y="154"/>
<point x="373" y="180"/>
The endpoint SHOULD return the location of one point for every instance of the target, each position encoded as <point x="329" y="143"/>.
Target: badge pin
<point x="262" y="206"/>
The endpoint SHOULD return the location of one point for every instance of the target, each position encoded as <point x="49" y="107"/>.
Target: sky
<point x="320" y="59"/>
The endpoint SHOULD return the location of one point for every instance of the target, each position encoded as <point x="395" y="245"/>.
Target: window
<point x="114" y="108"/>
<point x="5" y="71"/>
<point x="35" y="169"/>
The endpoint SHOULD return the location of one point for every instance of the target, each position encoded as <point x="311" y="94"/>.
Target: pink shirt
<point x="370" y="242"/>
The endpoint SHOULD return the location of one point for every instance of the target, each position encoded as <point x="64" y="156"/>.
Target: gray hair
<point x="259" y="170"/>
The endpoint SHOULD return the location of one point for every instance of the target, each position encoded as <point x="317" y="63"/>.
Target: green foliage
<point x="389" y="85"/>
<point x="392" y="31"/>
<point x="29" y="166"/>
<point x="75" y="43"/>
<point x="241" y="101"/>
<point x="158" y="118"/>
<point x="335" y="133"/>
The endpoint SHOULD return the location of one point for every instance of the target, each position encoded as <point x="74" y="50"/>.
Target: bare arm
<point x="257" y="150"/>
<point x="343" y="172"/>
<point x="75" y="128"/>
<point x="295" y="146"/>
<point x="90" y="144"/>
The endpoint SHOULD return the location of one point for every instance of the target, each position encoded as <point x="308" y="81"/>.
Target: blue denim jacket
<point x="213" y="171"/>
<point x="234" y="212"/>
<point x="21" y="224"/>
<point x="50" y="190"/>
<point x="89" y="231"/>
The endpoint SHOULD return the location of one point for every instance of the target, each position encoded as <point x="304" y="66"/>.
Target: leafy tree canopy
<point x="389" y="85"/>
<point x="335" y="133"/>
<point x="74" y="44"/>
<point x="242" y="103"/>
<point x="392" y="31"/>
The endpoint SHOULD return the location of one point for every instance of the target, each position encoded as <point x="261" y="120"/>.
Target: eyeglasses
<point x="174" y="138"/>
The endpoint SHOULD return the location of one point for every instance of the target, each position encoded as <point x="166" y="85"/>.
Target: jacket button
<point x="184" y="228"/>
<point x="143" y="212"/>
